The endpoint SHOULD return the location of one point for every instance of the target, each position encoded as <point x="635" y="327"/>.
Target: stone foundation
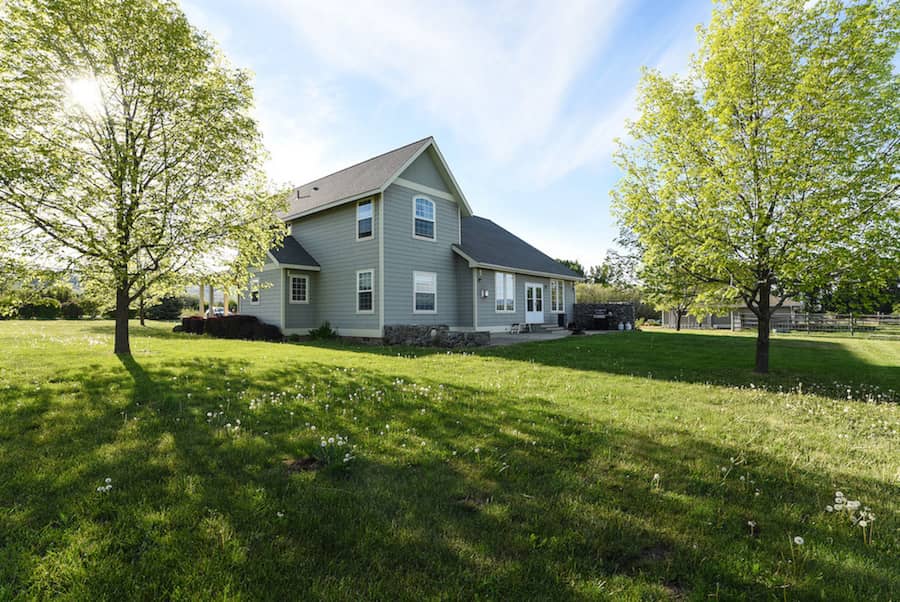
<point x="619" y="313"/>
<point x="433" y="336"/>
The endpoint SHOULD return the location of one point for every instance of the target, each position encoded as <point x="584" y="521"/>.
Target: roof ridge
<point x="358" y="163"/>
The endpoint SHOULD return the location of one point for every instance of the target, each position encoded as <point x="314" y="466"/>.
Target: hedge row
<point x="232" y="327"/>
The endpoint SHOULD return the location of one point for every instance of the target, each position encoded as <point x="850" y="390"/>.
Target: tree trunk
<point x="122" y="345"/>
<point x="677" y="321"/>
<point x="141" y="309"/>
<point x="762" y="330"/>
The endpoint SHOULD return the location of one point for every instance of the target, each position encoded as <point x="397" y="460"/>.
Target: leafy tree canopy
<point x="772" y="168"/>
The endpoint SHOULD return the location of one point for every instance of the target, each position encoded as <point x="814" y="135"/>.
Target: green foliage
<point x="72" y="310"/>
<point x="323" y="332"/>
<point x="127" y="144"/>
<point x="574" y="265"/>
<point x="536" y="480"/>
<point x="772" y="168"/>
<point x="44" y="308"/>
<point x="168" y="308"/>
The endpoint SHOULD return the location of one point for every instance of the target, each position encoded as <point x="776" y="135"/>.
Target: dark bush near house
<point x="193" y="324"/>
<point x="168" y="308"/>
<point x="44" y="308"/>
<point x="323" y="332"/>
<point x="232" y="327"/>
<point x="72" y="310"/>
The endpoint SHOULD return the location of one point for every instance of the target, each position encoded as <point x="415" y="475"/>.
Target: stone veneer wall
<point x="618" y="313"/>
<point x="433" y="336"/>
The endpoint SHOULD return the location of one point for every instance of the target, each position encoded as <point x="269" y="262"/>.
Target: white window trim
<point x="561" y="294"/>
<point x="291" y="289"/>
<point x="505" y="311"/>
<point x="425" y="311"/>
<point x="358" y="291"/>
<point x="415" y="217"/>
<point x="356" y="223"/>
<point x="254" y="283"/>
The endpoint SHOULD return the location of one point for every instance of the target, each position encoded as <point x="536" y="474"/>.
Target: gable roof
<point x="292" y="253"/>
<point x="485" y="244"/>
<point x="364" y="179"/>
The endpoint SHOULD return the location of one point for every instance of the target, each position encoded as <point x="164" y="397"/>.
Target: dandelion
<point x="829" y="508"/>
<point x="108" y="480"/>
<point x="279" y="514"/>
<point x="798" y="540"/>
<point x="477" y="450"/>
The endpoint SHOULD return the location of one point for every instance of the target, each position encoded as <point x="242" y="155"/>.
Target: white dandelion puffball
<point x="798" y="540"/>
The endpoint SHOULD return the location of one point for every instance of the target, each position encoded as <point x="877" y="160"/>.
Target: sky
<point x="524" y="100"/>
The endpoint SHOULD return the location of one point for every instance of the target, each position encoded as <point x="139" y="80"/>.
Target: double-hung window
<point x="424" y="292"/>
<point x="423" y="218"/>
<point x="504" y="292"/>
<point x="365" y="285"/>
<point x="557" y="297"/>
<point x="299" y="289"/>
<point x="364" y="220"/>
<point x="254" y="291"/>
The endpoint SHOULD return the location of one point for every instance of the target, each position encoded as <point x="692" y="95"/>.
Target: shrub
<point x="168" y="308"/>
<point x="89" y="307"/>
<point x="44" y="308"/>
<point x="72" y="310"/>
<point x="232" y="327"/>
<point x="323" y="332"/>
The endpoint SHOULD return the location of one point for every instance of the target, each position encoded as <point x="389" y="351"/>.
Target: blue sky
<point x="524" y="100"/>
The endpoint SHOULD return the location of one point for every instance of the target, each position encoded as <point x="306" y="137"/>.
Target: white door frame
<point x="537" y="315"/>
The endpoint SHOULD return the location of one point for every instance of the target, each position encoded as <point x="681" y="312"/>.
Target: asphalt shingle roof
<point x="350" y="182"/>
<point x="487" y="243"/>
<point x="292" y="252"/>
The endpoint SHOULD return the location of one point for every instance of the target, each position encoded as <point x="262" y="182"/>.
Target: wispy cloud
<point x="498" y="76"/>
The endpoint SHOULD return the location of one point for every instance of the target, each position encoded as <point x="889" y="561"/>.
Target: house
<point x="394" y="241"/>
<point x="735" y="317"/>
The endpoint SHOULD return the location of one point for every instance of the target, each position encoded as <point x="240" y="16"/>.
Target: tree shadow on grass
<point x="550" y="506"/>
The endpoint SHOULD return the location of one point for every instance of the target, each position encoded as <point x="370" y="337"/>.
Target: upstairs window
<point x="364" y="288"/>
<point x="424" y="218"/>
<point x="504" y="292"/>
<point x="364" y="220"/>
<point x="424" y="292"/>
<point x="299" y="289"/>
<point x="557" y="297"/>
<point x="254" y="291"/>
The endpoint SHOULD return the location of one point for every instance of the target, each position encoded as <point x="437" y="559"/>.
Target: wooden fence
<point x="852" y="324"/>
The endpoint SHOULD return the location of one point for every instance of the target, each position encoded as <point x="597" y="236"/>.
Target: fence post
<point x="851" y="324"/>
<point x="807" y="322"/>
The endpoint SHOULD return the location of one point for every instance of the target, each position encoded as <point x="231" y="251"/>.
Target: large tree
<point x="773" y="166"/>
<point x="127" y="147"/>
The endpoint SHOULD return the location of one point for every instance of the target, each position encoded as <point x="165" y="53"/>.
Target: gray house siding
<point x="464" y="293"/>
<point x="330" y="237"/>
<point x="423" y="171"/>
<point x="269" y="308"/>
<point x="488" y="318"/>
<point x="404" y="254"/>
<point x="301" y="315"/>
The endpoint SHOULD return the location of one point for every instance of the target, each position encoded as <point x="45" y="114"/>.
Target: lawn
<point x="627" y="466"/>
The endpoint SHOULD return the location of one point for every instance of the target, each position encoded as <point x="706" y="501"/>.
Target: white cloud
<point x="498" y="76"/>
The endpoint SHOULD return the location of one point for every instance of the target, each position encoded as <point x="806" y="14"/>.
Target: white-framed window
<point x="424" y="292"/>
<point x="299" y="289"/>
<point x="364" y="230"/>
<point x="557" y="296"/>
<point x="504" y="292"/>
<point x="254" y="291"/>
<point x="365" y="291"/>
<point x="423" y="218"/>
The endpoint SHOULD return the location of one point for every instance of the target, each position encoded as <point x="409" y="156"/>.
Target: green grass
<point x="515" y="473"/>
